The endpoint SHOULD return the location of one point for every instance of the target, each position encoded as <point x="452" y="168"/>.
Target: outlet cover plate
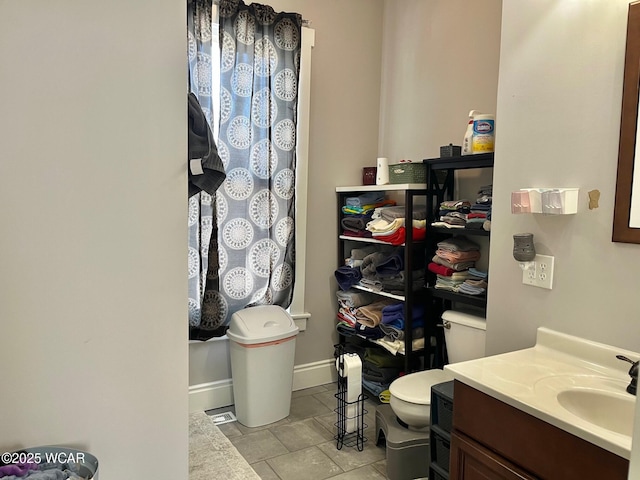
<point x="540" y="272"/>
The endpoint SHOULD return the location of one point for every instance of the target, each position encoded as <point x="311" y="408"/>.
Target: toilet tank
<point x="464" y="335"/>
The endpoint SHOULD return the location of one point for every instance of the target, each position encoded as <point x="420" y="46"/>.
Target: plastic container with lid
<point x="262" y="348"/>
<point x="483" y="133"/>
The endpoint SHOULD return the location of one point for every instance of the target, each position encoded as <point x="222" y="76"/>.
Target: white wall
<point x="93" y="217"/>
<point x="558" y="117"/>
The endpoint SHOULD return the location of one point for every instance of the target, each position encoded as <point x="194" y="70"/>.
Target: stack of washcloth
<point x="479" y="216"/>
<point x="453" y="214"/>
<point x="389" y="224"/>
<point x="348" y="303"/>
<point x="452" y="261"/>
<point x="393" y="321"/>
<point x="381" y="321"/>
<point x="391" y="274"/>
<point x="360" y="313"/>
<point x="476" y="284"/>
<point x="384" y="270"/>
<point x="350" y="273"/>
<point x="379" y="369"/>
<point x="358" y="254"/>
<point x="358" y="212"/>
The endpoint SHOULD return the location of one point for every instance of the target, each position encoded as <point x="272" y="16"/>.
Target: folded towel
<point x="347" y="277"/>
<point x="366" y="331"/>
<point x="355" y="298"/>
<point x="370" y="263"/>
<point x="371" y="315"/>
<point x="355" y="222"/>
<point x="391" y="213"/>
<point x="440" y="269"/>
<point x="360" y="253"/>
<point x="393" y="264"/>
<point x="458" y="244"/>
<point x="365" y="199"/>
<point x="458" y="266"/>
<point x="455" y="257"/>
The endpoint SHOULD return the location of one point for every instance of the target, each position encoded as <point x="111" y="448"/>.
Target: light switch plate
<point x="540" y="273"/>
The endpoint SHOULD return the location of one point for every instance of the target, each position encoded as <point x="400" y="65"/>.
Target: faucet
<point x="633" y="371"/>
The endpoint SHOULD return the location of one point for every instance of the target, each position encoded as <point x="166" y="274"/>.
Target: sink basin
<point x="601" y="401"/>
<point x="608" y="410"/>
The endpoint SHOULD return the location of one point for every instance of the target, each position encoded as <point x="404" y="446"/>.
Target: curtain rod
<point x="305" y="23"/>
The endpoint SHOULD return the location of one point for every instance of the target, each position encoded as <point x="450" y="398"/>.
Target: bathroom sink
<point x="610" y="410"/>
<point x="574" y="384"/>
<point x="601" y="401"/>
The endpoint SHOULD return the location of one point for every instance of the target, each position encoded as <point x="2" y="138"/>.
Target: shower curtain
<point x="259" y="68"/>
<point x="203" y="234"/>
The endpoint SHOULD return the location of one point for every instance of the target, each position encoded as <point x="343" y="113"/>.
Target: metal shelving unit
<point x="409" y="191"/>
<point x="440" y="187"/>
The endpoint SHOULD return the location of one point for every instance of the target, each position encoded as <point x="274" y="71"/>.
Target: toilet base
<point x="408" y="452"/>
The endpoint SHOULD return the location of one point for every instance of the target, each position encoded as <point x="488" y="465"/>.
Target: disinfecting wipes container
<point x="483" y="133"/>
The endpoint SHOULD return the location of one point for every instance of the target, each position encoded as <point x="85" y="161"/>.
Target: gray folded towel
<point x="391" y="213"/>
<point x="370" y="263"/>
<point x="458" y="244"/>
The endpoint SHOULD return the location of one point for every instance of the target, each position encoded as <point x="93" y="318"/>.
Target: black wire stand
<point x="342" y="437"/>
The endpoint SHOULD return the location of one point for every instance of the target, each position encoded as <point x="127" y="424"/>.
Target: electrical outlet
<point x="540" y="272"/>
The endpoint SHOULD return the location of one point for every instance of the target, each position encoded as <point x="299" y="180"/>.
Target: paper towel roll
<point x="382" y="171"/>
<point x="352" y="371"/>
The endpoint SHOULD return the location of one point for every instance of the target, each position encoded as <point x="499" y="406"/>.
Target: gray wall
<point x="93" y="217"/>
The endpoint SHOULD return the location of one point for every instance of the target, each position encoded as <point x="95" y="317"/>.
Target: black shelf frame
<point x="410" y="295"/>
<point x="440" y="187"/>
<point x="479" y="301"/>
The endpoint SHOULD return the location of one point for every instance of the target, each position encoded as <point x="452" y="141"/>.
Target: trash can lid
<point x="263" y="323"/>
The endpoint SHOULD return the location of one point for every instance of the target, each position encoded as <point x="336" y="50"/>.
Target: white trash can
<point x="262" y="346"/>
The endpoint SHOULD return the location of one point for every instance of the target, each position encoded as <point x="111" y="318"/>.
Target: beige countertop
<point x="531" y="380"/>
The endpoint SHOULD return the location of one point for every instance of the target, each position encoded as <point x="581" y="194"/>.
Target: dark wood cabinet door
<point x="472" y="461"/>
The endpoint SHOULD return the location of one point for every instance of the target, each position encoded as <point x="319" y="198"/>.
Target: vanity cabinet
<point x="440" y="187"/>
<point x="409" y="195"/>
<point x="492" y="440"/>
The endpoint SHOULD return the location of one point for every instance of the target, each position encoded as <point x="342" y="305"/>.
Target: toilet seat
<point x="416" y="387"/>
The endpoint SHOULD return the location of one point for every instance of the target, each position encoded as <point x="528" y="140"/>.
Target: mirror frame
<point x="622" y="232"/>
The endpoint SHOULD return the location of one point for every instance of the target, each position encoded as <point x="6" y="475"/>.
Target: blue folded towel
<point x="391" y="265"/>
<point x="347" y="276"/>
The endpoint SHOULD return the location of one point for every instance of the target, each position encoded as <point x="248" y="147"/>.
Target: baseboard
<point x="314" y="374"/>
<point x="218" y="394"/>
<point x="207" y="396"/>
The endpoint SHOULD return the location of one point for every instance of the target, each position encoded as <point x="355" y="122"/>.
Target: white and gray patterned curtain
<point x="203" y="254"/>
<point x="259" y="69"/>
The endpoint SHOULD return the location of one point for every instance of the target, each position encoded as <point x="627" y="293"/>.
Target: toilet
<point x="410" y="400"/>
<point x="404" y="423"/>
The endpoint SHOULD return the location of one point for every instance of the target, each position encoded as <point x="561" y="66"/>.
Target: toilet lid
<point x="416" y="387"/>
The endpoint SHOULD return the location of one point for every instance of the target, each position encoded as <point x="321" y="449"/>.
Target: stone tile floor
<point x="302" y="445"/>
